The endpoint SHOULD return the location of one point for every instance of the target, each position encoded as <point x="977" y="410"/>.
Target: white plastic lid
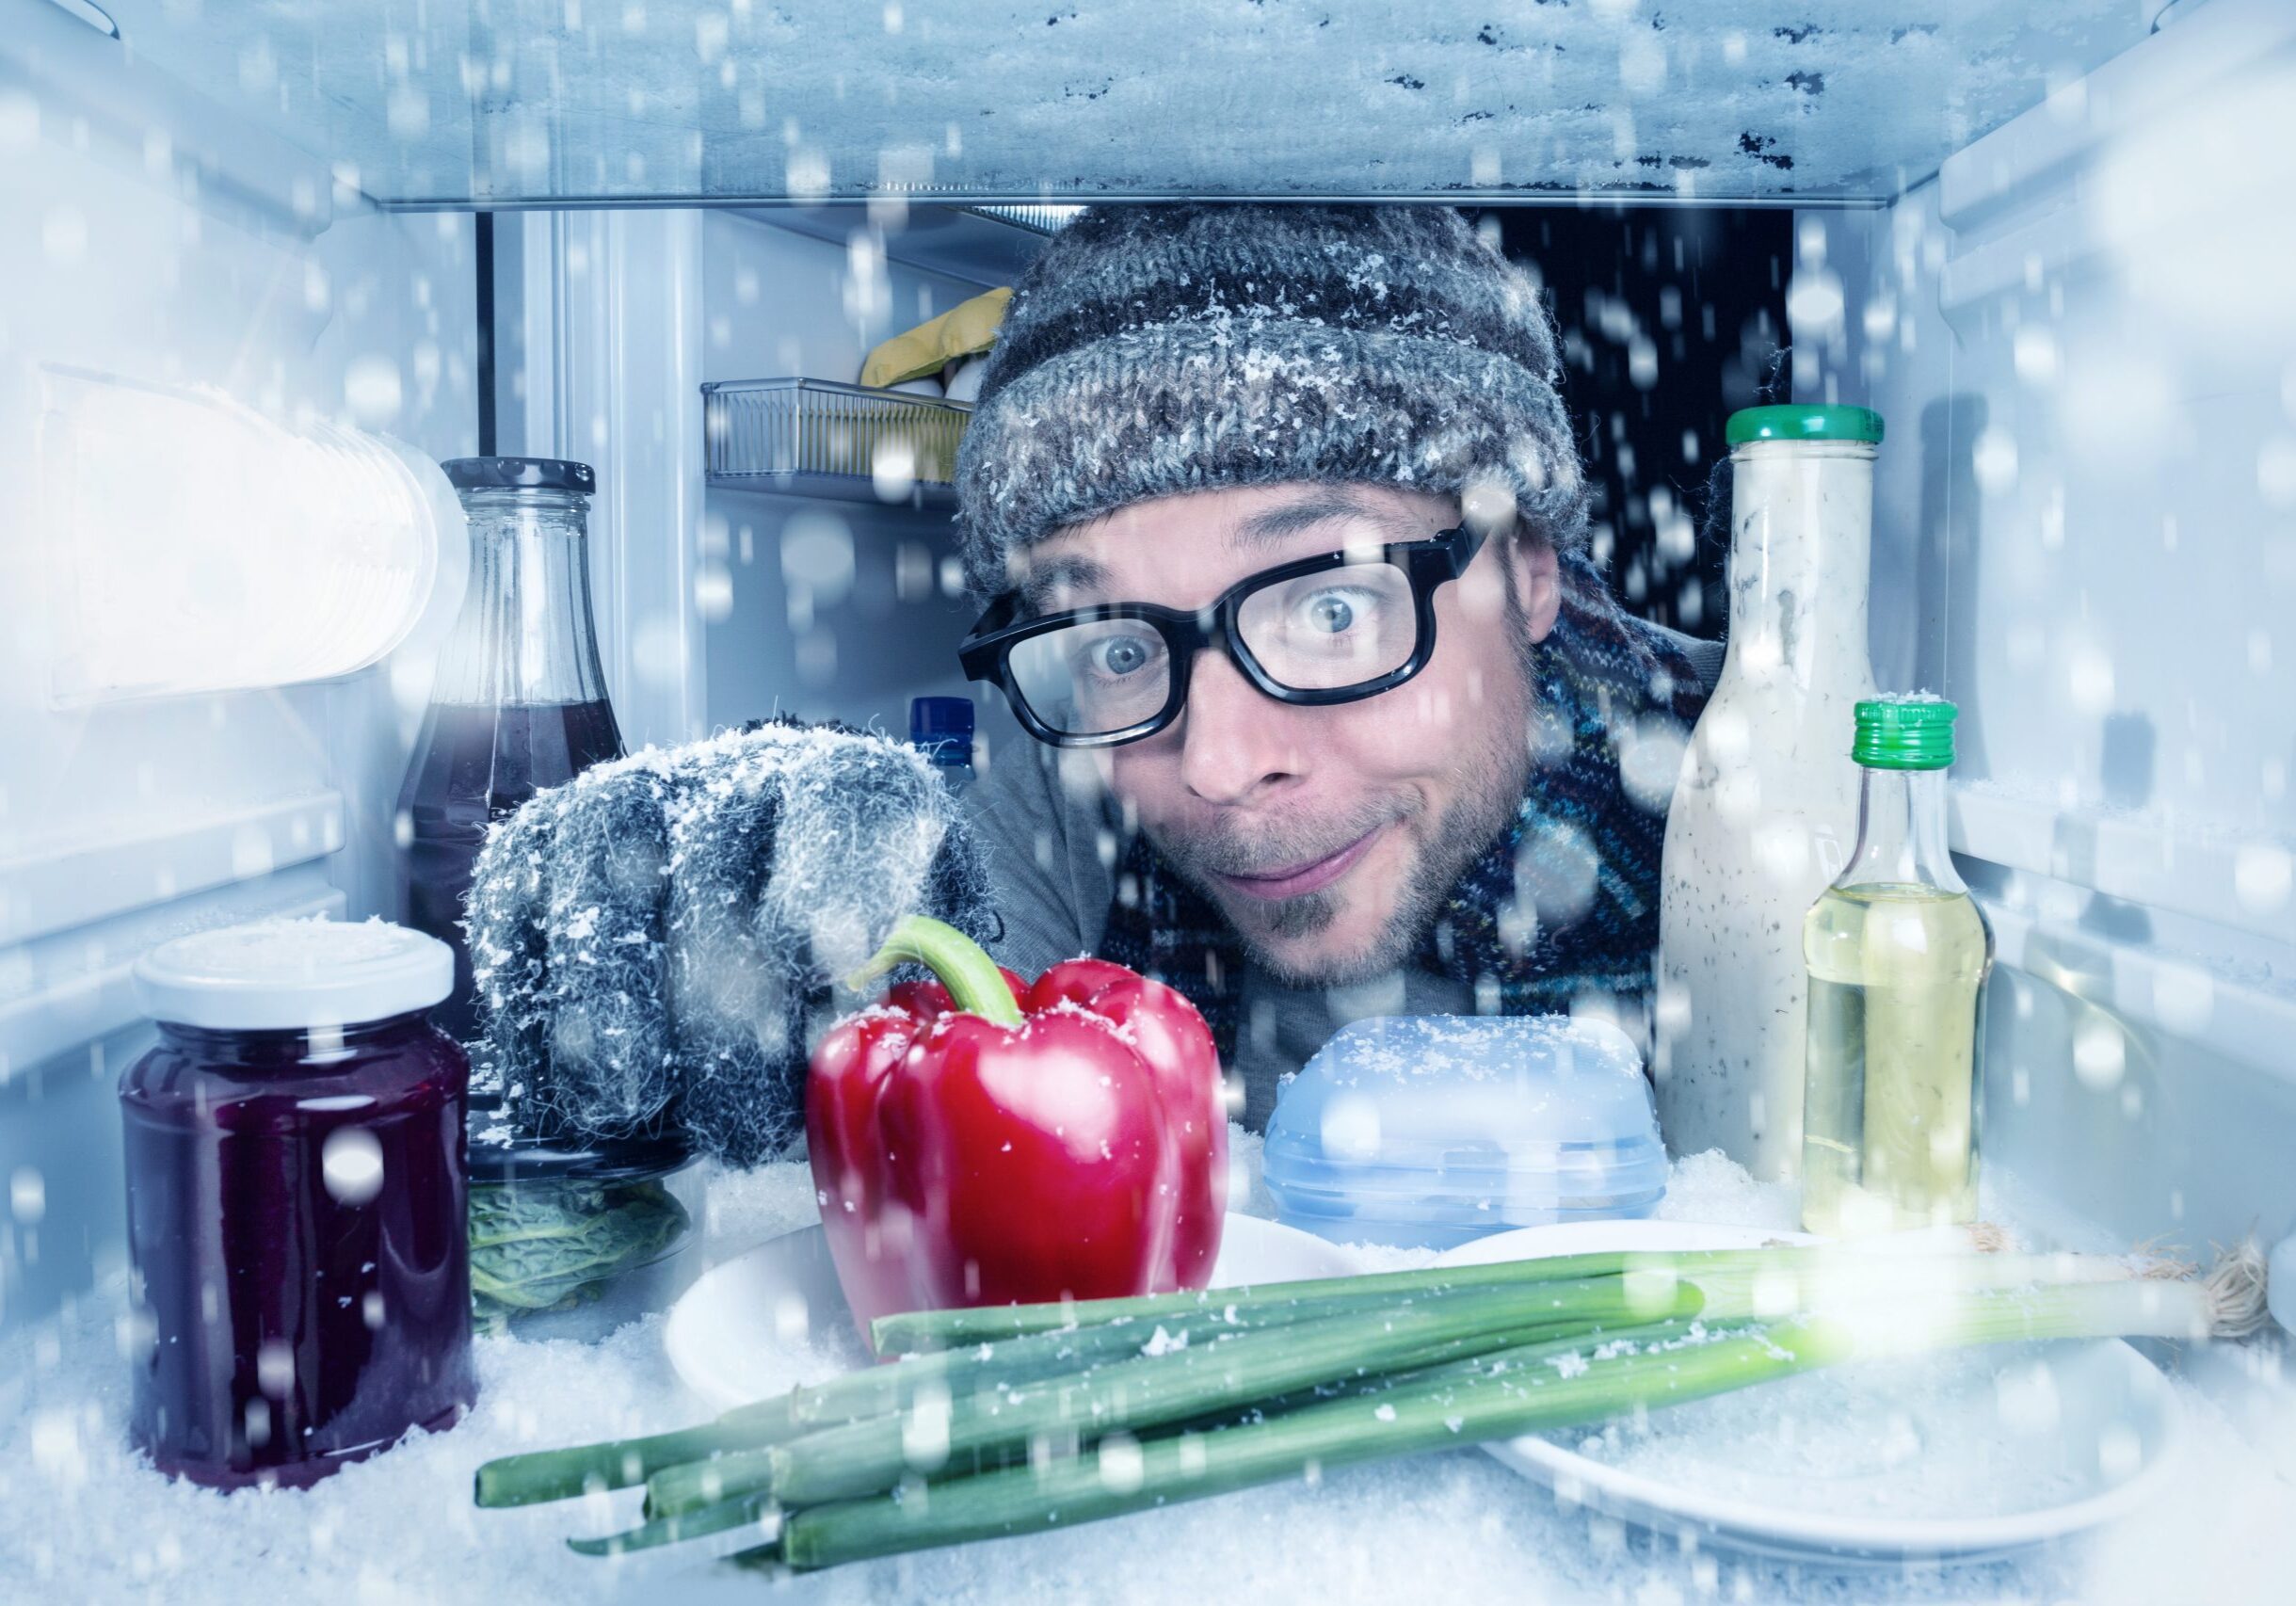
<point x="286" y="975"/>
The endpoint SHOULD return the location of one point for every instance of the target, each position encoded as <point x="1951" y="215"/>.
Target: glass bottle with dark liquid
<point x="520" y="699"/>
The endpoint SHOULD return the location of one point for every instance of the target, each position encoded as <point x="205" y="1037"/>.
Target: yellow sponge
<point x="963" y="329"/>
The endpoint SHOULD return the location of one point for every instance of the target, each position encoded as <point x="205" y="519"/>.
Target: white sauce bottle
<point x="1766" y="809"/>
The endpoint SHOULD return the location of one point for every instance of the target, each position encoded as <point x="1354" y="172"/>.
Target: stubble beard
<point x="1489" y="791"/>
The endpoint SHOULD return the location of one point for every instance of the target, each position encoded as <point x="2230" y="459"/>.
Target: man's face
<point x="1329" y="836"/>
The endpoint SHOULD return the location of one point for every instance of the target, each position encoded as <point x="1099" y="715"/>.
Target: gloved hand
<point x="655" y="942"/>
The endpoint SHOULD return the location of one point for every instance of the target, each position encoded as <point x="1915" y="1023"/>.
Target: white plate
<point x="1964" y="1456"/>
<point x="775" y="1317"/>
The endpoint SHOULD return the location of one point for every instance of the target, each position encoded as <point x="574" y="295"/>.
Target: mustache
<point x="1246" y="849"/>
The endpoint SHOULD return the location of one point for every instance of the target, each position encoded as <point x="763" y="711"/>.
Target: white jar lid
<point x="286" y="975"/>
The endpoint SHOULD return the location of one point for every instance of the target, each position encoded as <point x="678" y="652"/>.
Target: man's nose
<point x="1234" y="741"/>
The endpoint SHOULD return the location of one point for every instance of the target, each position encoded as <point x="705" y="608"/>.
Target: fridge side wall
<point x="178" y="267"/>
<point x="2085" y="535"/>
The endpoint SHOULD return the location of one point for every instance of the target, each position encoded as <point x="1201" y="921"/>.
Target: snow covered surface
<point x="81" y="1520"/>
<point x="1081" y="99"/>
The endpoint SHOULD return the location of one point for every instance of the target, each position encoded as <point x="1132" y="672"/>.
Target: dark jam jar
<point x="296" y="1198"/>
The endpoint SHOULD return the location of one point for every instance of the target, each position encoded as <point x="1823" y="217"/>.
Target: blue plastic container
<point x="940" y="727"/>
<point x="1428" y="1130"/>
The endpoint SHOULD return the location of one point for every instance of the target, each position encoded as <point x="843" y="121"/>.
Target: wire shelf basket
<point x="820" y="438"/>
<point x="1035" y="220"/>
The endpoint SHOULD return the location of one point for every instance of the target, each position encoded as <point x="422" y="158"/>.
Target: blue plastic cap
<point x="933" y="720"/>
<point x="1429" y="1130"/>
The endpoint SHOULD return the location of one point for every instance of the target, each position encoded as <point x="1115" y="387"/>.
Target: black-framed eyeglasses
<point x="1324" y="630"/>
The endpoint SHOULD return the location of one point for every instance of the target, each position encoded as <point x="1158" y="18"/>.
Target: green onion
<point x="561" y="1474"/>
<point x="1504" y="1395"/>
<point x="925" y="1330"/>
<point x="878" y="1453"/>
<point x="1122" y="1474"/>
<point x="1781" y="1268"/>
<point x="1107" y="1425"/>
<point x="720" y="1518"/>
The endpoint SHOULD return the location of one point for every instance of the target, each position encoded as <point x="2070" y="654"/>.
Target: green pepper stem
<point x="964" y="966"/>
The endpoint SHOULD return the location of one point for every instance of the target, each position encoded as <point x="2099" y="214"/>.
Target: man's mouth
<point x="1293" y="880"/>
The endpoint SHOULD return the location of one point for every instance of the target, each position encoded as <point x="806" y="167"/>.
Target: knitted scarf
<point x="1588" y="920"/>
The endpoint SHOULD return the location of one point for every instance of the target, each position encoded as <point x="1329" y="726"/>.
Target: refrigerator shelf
<point x="822" y="438"/>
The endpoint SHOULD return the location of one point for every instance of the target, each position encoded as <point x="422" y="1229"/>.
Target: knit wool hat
<point x="1152" y="350"/>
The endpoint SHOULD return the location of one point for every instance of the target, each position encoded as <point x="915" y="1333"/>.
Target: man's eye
<point x="1118" y="655"/>
<point x="1334" y="613"/>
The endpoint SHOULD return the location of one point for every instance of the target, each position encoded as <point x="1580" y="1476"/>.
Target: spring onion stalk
<point x="983" y="1367"/>
<point x="1500" y="1398"/>
<point x="1727" y="1284"/>
<point x="1544" y="1351"/>
<point x="618" y="1464"/>
<point x="542" y="1475"/>
<point x="560" y="1474"/>
<point x="755" y="1506"/>
<point x="920" y="1331"/>
<point x="878" y="1453"/>
<point x="927" y="1331"/>
<point x="722" y="1518"/>
<point x="1121" y="1474"/>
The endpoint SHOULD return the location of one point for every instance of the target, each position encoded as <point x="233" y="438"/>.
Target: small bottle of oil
<point x="1898" y="956"/>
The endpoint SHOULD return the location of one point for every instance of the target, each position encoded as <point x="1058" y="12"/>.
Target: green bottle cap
<point x="1904" y="732"/>
<point x="1815" y="422"/>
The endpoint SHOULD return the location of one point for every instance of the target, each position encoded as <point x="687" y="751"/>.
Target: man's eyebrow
<point x="1275" y="524"/>
<point x="1268" y="527"/>
<point x="1057" y="574"/>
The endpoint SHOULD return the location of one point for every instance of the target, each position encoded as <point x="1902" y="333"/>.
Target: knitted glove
<point x="655" y="942"/>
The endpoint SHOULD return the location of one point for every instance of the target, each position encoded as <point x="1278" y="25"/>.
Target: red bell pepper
<point x="981" y="1141"/>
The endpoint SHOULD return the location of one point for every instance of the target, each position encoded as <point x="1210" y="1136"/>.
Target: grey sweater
<point x="1052" y="844"/>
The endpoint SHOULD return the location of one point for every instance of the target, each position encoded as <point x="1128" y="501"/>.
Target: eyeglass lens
<point x="1327" y="630"/>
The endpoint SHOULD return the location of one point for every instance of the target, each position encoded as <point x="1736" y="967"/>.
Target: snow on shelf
<point x="82" y="1519"/>
<point x="1079" y="99"/>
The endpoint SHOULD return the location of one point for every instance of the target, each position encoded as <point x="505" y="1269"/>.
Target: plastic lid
<point x="1915" y="731"/>
<point x="1457" y="1126"/>
<point x="514" y="473"/>
<point x="933" y="720"/>
<point x="1814" y="422"/>
<point x="290" y="975"/>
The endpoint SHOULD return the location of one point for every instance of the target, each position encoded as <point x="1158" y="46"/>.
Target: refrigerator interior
<point x="179" y="288"/>
<point x="2086" y="536"/>
<point x="2042" y="242"/>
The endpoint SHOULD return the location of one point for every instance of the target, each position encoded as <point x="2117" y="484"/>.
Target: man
<point x="1284" y="535"/>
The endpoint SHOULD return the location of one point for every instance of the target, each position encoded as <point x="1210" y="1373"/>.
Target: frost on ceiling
<point x="575" y="100"/>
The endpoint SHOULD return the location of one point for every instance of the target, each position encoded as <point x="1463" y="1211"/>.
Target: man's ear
<point x="1536" y="579"/>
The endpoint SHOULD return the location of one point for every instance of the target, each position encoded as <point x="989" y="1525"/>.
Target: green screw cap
<point x="1815" y="422"/>
<point x="1904" y="732"/>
